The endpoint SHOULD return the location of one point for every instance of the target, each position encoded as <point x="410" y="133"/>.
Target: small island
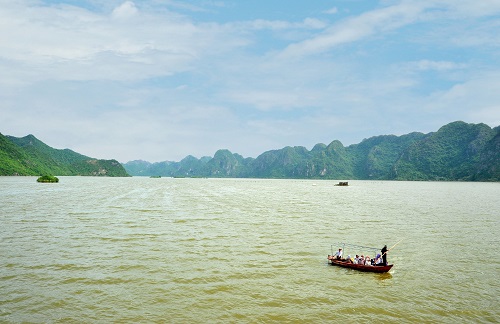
<point x="48" y="179"/>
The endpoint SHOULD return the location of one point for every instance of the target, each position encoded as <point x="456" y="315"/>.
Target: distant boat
<point x="155" y="176"/>
<point x="342" y="183"/>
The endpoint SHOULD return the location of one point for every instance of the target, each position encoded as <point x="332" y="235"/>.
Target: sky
<point x="159" y="80"/>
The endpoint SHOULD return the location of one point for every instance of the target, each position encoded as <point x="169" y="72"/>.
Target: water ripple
<point x="246" y="250"/>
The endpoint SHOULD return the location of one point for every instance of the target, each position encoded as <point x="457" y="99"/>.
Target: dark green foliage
<point x="13" y="161"/>
<point x="94" y="167"/>
<point x="289" y="162"/>
<point x="30" y="156"/>
<point x="458" y="151"/>
<point x="375" y="157"/>
<point x="48" y="179"/>
<point x="225" y="164"/>
<point x="488" y="166"/>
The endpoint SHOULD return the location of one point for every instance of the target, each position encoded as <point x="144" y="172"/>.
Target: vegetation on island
<point x="48" y="179"/>
<point x="30" y="156"/>
<point x="456" y="152"/>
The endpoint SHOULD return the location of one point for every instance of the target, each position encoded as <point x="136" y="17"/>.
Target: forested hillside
<point x="30" y="156"/>
<point x="457" y="151"/>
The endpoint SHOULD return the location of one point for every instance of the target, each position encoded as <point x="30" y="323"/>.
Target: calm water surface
<point x="243" y="250"/>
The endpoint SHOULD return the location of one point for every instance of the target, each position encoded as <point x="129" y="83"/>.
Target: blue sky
<point x="162" y="79"/>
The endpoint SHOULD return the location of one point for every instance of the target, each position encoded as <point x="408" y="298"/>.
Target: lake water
<point x="245" y="251"/>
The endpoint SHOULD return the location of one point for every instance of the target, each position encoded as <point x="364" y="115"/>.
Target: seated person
<point x="338" y="254"/>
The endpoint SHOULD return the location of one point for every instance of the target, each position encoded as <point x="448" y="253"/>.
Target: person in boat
<point x="378" y="259"/>
<point x="338" y="255"/>
<point x="384" y="254"/>
<point x="356" y="259"/>
<point x="349" y="259"/>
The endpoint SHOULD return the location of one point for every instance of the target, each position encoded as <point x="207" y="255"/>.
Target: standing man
<point x="384" y="254"/>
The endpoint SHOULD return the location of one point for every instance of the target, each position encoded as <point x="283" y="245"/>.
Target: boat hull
<point x="360" y="267"/>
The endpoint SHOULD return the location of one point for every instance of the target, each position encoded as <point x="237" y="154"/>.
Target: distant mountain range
<point x="457" y="151"/>
<point x="30" y="156"/>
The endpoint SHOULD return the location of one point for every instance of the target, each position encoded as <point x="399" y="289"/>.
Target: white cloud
<point x="268" y="100"/>
<point x="469" y="8"/>
<point x="437" y="65"/>
<point x="429" y="65"/>
<point x="477" y="92"/>
<point x="400" y="14"/>
<point x="76" y="44"/>
<point x="125" y="10"/>
<point x="331" y="11"/>
<point x="277" y="25"/>
<point x="356" y="28"/>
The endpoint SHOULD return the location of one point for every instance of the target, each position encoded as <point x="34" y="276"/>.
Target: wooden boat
<point x="332" y="259"/>
<point x="360" y="267"/>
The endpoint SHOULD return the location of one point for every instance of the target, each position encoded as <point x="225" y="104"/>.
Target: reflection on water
<point x="244" y="250"/>
<point x="384" y="276"/>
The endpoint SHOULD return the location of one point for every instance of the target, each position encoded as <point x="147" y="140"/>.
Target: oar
<point x="392" y="247"/>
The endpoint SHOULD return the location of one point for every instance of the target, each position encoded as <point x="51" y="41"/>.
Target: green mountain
<point x="30" y="156"/>
<point x="457" y="151"/>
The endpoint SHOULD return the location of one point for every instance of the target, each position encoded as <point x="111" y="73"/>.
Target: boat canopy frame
<point x="343" y="244"/>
